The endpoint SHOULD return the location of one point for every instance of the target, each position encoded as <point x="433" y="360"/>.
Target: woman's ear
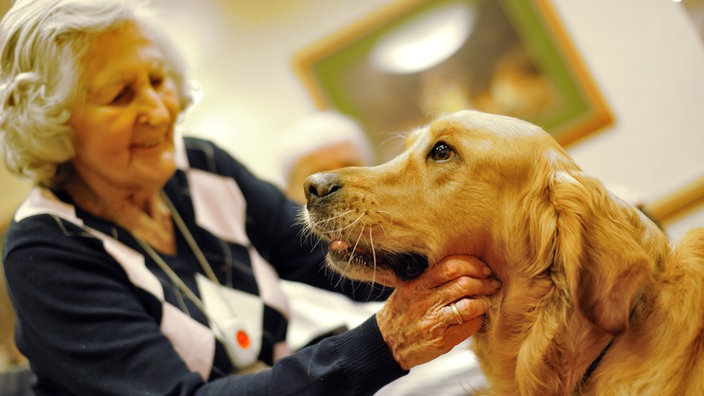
<point x="598" y="245"/>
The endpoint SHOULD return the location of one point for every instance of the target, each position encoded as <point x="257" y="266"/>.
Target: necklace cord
<point x="181" y="285"/>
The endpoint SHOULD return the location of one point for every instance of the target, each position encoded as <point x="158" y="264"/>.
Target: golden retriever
<point x="594" y="300"/>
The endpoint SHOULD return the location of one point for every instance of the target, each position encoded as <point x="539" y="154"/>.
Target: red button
<point x="243" y="339"/>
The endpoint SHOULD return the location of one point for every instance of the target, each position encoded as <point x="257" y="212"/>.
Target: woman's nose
<point x="154" y="109"/>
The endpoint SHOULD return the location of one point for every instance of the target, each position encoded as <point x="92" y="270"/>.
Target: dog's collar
<point x="595" y="363"/>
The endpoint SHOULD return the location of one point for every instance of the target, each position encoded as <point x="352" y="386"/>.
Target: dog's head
<point x="498" y="188"/>
<point x="437" y="198"/>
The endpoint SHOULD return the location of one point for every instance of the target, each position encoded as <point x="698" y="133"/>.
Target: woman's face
<point x="123" y="130"/>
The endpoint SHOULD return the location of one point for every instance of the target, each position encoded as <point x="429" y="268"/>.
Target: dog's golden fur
<point x="579" y="267"/>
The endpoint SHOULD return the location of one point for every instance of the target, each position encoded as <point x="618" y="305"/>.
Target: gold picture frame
<point x="516" y="59"/>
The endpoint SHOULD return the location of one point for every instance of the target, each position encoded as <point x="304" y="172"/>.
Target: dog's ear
<point x="598" y="244"/>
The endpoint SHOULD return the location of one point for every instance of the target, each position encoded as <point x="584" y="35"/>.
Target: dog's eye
<point x="441" y="152"/>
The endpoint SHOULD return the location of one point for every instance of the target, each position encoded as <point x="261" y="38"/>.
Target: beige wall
<point x="644" y="54"/>
<point x="12" y="191"/>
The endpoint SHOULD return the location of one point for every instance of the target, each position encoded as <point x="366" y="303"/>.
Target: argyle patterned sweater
<point x="97" y="316"/>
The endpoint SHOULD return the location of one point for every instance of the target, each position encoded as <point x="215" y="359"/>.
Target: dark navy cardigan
<point x="96" y="316"/>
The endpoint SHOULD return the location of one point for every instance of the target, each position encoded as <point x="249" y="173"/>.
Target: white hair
<point x="319" y="130"/>
<point x="41" y="44"/>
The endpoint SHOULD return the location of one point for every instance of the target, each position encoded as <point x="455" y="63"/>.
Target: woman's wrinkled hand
<point x="418" y="321"/>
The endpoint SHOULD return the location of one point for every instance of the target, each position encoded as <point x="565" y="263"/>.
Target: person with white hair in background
<point x="320" y="141"/>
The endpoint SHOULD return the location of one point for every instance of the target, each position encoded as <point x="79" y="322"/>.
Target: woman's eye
<point x="121" y="97"/>
<point x="156" y="81"/>
<point x="441" y="152"/>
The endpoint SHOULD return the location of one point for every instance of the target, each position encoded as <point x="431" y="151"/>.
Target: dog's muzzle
<point x="322" y="191"/>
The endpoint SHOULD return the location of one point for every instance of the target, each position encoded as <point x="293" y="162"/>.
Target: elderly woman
<point x="143" y="262"/>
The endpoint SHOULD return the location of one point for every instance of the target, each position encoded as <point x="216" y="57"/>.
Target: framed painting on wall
<point x="415" y="59"/>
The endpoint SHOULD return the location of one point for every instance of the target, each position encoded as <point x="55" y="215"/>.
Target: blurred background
<point x="645" y="59"/>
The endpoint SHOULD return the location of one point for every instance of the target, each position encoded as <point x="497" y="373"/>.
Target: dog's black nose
<point x="320" y="185"/>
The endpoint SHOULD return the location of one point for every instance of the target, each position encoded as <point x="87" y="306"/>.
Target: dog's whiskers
<point x="354" y="248"/>
<point x="381" y="226"/>
<point x="328" y="220"/>
<point x="393" y="136"/>
<point x="352" y="224"/>
<point x="351" y="258"/>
